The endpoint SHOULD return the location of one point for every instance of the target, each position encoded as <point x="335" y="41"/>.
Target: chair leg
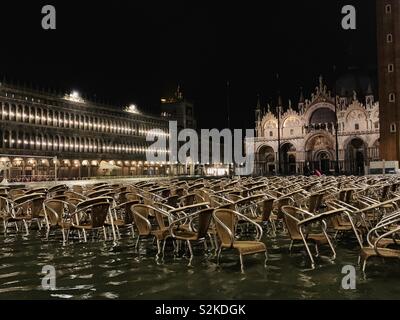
<point x="118" y="233"/>
<point x="330" y="245"/>
<point x="158" y="249"/>
<point x="191" y="253"/>
<point x="133" y="232"/>
<point x="137" y="242"/>
<point x="26" y="227"/>
<point x="84" y="235"/>
<point x="291" y="246"/>
<point x="63" y="234"/>
<point x="364" y="265"/>
<point x="241" y="263"/>
<point x="163" y="247"/>
<point x="219" y="254"/>
<point x="308" y="251"/>
<point x="266" y="258"/>
<point x="316" y="250"/>
<point x="104" y="233"/>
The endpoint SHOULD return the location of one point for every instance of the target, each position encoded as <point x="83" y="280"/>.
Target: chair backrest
<point x="131" y="196"/>
<point x="54" y="211"/>
<point x="37" y="190"/>
<point x="225" y="224"/>
<point x="31" y="204"/>
<point x="315" y="202"/>
<point x="282" y="202"/>
<point x="100" y="193"/>
<point x="267" y="206"/>
<point x="16" y="193"/>
<point x="90" y="202"/>
<point x="128" y="217"/>
<point x="291" y="224"/>
<point x="188" y="200"/>
<point x="77" y="189"/>
<point x="98" y="213"/>
<point x="3" y="205"/>
<point x="173" y="201"/>
<point x="140" y="215"/>
<point x="205" y="217"/>
<point x="75" y="195"/>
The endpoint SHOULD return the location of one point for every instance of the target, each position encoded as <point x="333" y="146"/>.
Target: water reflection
<point x="99" y="270"/>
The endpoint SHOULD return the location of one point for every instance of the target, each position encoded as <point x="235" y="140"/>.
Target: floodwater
<point x="102" y="270"/>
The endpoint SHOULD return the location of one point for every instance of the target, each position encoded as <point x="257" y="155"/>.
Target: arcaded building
<point x="41" y="132"/>
<point x="294" y="140"/>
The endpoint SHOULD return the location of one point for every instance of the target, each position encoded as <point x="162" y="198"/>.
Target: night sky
<point x="138" y="51"/>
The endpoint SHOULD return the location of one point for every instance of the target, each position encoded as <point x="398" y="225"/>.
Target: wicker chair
<point x="90" y="218"/>
<point x="58" y="217"/>
<point x="226" y="224"/>
<point x="195" y="233"/>
<point x="298" y="224"/>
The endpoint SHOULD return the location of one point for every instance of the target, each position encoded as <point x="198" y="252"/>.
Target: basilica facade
<point x="298" y="141"/>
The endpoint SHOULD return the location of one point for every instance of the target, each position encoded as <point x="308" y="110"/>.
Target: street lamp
<point x="279" y="137"/>
<point x="337" y="169"/>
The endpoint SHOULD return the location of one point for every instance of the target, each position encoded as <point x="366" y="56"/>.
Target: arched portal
<point x="356" y="156"/>
<point x="266" y="161"/>
<point x="288" y="159"/>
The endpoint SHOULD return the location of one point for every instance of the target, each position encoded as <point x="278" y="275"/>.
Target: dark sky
<point x="137" y="51"/>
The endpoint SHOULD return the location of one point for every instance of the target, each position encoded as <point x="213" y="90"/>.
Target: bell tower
<point x="388" y="27"/>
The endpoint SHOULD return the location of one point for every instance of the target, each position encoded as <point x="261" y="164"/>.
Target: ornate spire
<point x="321" y="83"/>
<point x="369" y="90"/>
<point x="258" y="102"/>
<point x="301" y="100"/>
<point x="279" y="100"/>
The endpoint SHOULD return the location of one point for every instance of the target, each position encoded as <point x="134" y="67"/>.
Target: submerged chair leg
<point x="291" y="246"/>
<point x="133" y="232"/>
<point x="241" y="263"/>
<point x="191" y="253"/>
<point x="84" y="235"/>
<point x="105" y="233"/>
<point x="26" y="227"/>
<point x="219" y="254"/>
<point x="330" y="244"/>
<point x="308" y="250"/>
<point x="266" y="259"/>
<point x="63" y="234"/>
<point x="364" y="265"/>
<point x="316" y="250"/>
<point x="158" y="249"/>
<point x="137" y="242"/>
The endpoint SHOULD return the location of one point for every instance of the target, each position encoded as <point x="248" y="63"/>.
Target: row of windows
<point x="341" y="127"/>
<point x="39" y="116"/>
<point x="28" y="141"/>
